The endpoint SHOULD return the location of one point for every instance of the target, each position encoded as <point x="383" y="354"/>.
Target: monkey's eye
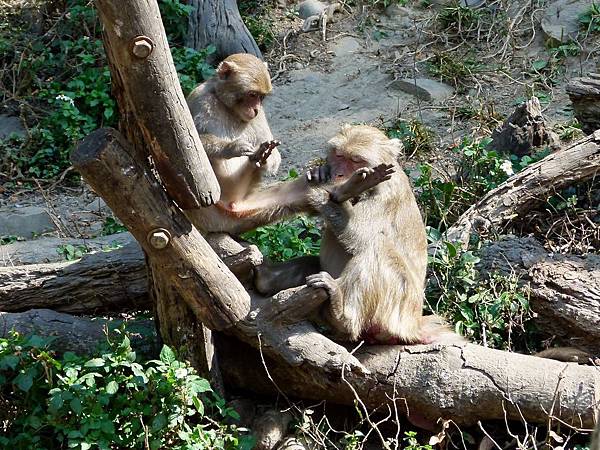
<point x="256" y="96"/>
<point x="356" y="159"/>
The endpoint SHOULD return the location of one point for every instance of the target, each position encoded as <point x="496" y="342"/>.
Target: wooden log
<point x="564" y="289"/>
<point x="466" y="384"/>
<point x="219" y="23"/>
<point x="188" y="263"/>
<point x="99" y="282"/>
<point x="530" y="187"/>
<point x="81" y="335"/>
<point x="149" y="97"/>
<point x="584" y="93"/>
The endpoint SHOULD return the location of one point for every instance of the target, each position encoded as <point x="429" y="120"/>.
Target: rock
<point x="395" y="10"/>
<point x="346" y="46"/>
<point x="10" y="125"/>
<point x="309" y="8"/>
<point x="561" y="19"/>
<point x="424" y="88"/>
<point x="270" y="428"/>
<point x="26" y="222"/>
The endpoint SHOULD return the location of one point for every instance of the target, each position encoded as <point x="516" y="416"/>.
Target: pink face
<point x="250" y="106"/>
<point x="343" y="166"/>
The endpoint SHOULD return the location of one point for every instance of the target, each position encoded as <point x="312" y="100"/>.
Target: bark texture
<point x="100" y="282"/>
<point x="149" y="96"/>
<point x="184" y="259"/>
<point x="564" y="289"/>
<point x="219" y="23"/>
<point x="524" y="130"/>
<point x="585" y="95"/>
<point x="517" y="195"/>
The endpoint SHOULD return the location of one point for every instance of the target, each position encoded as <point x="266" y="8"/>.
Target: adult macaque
<point x="233" y="128"/>
<point x="373" y="249"/>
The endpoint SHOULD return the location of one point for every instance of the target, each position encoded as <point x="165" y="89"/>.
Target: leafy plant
<point x="590" y="20"/>
<point x="110" y="401"/>
<point x="112" y="226"/>
<point x="9" y="239"/>
<point x="72" y="252"/>
<point x="492" y="310"/>
<point x="286" y="240"/>
<point x="257" y="17"/>
<point x="454" y="68"/>
<point x="415" y="136"/>
<point x="411" y="442"/>
<point x="62" y="82"/>
<point x="459" y="18"/>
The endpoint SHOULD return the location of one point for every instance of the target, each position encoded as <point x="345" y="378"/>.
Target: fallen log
<point x="99" y="282"/>
<point x="79" y="334"/>
<point x="41" y="251"/>
<point x="564" y="289"/>
<point x="584" y="93"/>
<point x="528" y="188"/>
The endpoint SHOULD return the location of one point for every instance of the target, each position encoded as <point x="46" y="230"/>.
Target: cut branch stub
<point x="143" y="69"/>
<point x="189" y="264"/>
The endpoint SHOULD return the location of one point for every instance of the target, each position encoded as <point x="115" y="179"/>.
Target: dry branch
<point x="150" y="98"/>
<point x="564" y="289"/>
<point x="535" y="184"/>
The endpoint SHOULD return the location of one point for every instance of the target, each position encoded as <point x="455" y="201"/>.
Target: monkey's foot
<point x="361" y="181"/>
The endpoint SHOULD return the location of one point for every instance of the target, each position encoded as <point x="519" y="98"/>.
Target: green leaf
<point x="76" y="406"/>
<point x="198" y="404"/>
<point x="96" y="362"/>
<point x="112" y="387"/>
<point x="167" y="355"/>
<point x="9" y="361"/>
<point x="24" y="381"/>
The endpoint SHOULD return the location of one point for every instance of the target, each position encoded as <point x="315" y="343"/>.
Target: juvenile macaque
<point x="233" y="128"/>
<point x="373" y="249"/>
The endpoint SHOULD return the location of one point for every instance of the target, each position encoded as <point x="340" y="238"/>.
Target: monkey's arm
<point x="216" y="147"/>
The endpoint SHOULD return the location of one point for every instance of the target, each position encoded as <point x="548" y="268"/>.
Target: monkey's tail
<point x="435" y="330"/>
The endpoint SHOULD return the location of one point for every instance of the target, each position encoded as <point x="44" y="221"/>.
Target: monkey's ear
<point x="226" y="68"/>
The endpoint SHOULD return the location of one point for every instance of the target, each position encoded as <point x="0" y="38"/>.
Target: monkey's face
<point x="244" y="82"/>
<point x="355" y="147"/>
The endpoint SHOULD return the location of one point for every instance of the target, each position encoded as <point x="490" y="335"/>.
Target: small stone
<point x="561" y="19"/>
<point x="424" y="88"/>
<point x="10" y="125"/>
<point x="26" y="222"/>
<point x="298" y="66"/>
<point x="346" y="46"/>
<point x="309" y="8"/>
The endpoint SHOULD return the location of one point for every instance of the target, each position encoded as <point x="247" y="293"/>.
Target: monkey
<point x="373" y="255"/>
<point x="229" y="116"/>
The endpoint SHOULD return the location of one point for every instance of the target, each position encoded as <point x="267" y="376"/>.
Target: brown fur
<point x="231" y="138"/>
<point x="374" y="248"/>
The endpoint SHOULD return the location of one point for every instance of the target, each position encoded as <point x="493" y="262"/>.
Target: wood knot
<point x="142" y="47"/>
<point x="159" y="238"/>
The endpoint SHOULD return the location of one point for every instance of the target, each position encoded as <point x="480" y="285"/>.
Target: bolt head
<point x="159" y="239"/>
<point x="142" y="47"/>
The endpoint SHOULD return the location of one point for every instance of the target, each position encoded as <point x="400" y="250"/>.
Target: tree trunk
<point x="585" y="95"/>
<point x="564" y="289"/>
<point x="148" y="93"/>
<point x="517" y="195"/>
<point x="218" y="22"/>
<point x="186" y="262"/>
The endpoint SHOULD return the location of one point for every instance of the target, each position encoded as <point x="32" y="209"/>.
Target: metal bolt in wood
<point x="159" y="238"/>
<point x="142" y="47"/>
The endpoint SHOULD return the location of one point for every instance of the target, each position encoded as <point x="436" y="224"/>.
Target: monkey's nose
<point x="255" y="111"/>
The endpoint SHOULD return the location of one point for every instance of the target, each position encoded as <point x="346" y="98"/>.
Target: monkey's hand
<point x="319" y="175"/>
<point x="361" y="181"/>
<point x="260" y="156"/>
<point x="237" y="148"/>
